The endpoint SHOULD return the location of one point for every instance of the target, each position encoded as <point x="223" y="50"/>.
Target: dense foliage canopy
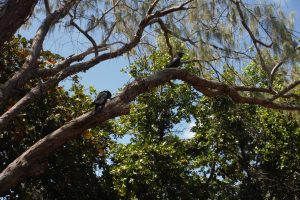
<point x="237" y="89"/>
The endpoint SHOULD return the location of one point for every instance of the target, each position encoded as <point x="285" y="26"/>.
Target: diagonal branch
<point x="118" y="106"/>
<point x="172" y="9"/>
<point x="166" y="32"/>
<point x="74" y="58"/>
<point x="109" y="33"/>
<point x="85" y="33"/>
<point x="151" y="8"/>
<point x="47" y="7"/>
<point x="273" y="72"/>
<point x="67" y="70"/>
<point x="103" y="15"/>
<point x="244" y="23"/>
<point x="33" y="157"/>
<point x="253" y="38"/>
<point x="285" y="90"/>
<point x="148" y="20"/>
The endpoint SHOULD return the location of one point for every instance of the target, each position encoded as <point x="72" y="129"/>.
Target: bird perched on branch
<point x="176" y="61"/>
<point x="101" y="99"/>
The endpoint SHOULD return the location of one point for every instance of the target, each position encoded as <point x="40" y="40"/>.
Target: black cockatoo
<point x="176" y="61"/>
<point x="101" y="99"/>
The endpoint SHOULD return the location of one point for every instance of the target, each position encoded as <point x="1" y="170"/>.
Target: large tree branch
<point x="151" y="8"/>
<point x="35" y="155"/>
<point x="47" y="7"/>
<point x="119" y="105"/>
<point x="273" y="71"/>
<point x="13" y="17"/>
<point x="207" y="87"/>
<point x="73" y="69"/>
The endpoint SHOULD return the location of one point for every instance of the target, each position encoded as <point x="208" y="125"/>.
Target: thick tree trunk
<point x="12" y="16"/>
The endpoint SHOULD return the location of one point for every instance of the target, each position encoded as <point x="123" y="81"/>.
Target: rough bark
<point x="17" y="11"/>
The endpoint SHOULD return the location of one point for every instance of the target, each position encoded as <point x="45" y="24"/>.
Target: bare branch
<point x="47" y="7"/>
<point x="166" y="32"/>
<point x="285" y="90"/>
<point x="74" y="58"/>
<point x="148" y="20"/>
<point x="254" y="40"/>
<point x="230" y="50"/>
<point x="109" y="33"/>
<point x="274" y="70"/>
<point x="151" y="8"/>
<point x="103" y="15"/>
<point x="201" y="60"/>
<point x="85" y="33"/>
<point x="244" y="23"/>
<point x="172" y="9"/>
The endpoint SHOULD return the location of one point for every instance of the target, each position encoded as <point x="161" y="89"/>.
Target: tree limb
<point x="47" y="7"/>
<point x="119" y="105"/>
<point x="73" y="69"/>
<point x="151" y="8"/>
<point x="85" y="33"/>
<point x="285" y="90"/>
<point x="166" y="32"/>
<point x="255" y="41"/>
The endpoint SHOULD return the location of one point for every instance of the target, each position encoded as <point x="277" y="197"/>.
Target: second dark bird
<point x="101" y="99"/>
<point x="176" y="61"/>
